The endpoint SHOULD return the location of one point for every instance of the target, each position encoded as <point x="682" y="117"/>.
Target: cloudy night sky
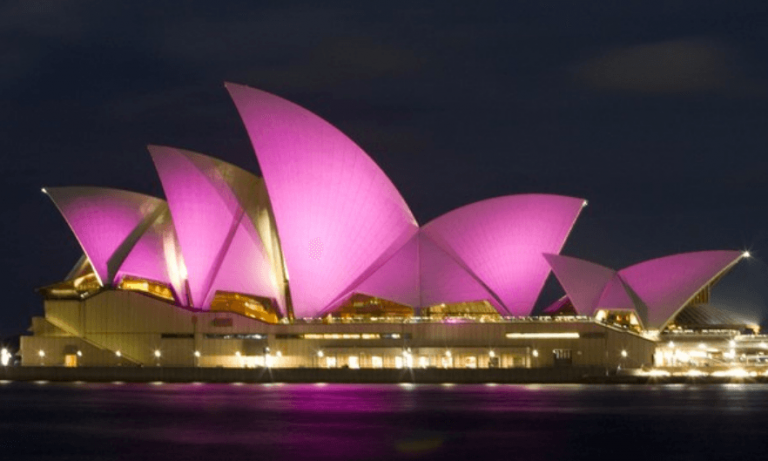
<point x="654" y="111"/>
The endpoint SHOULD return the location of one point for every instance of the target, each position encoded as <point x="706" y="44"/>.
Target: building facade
<point x="321" y="264"/>
<point x="124" y="328"/>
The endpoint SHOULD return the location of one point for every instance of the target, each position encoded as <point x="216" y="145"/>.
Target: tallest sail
<point x="337" y="213"/>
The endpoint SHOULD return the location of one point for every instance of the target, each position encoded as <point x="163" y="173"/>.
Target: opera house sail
<point x="320" y="263"/>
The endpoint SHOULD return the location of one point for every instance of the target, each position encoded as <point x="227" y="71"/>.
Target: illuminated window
<point x="398" y="362"/>
<point x="330" y="362"/>
<point x="353" y="361"/>
<point x="377" y="362"/>
<point x="394" y="336"/>
<point x="232" y="335"/>
<point x="70" y="360"/>
<point x="480" y="311"/>
<point x="423" y="362"/>
<point x="562" y="356"/>
<point x="150" y="287"/>
<point x="336" y="336"/>
<point x="254" y="307"/>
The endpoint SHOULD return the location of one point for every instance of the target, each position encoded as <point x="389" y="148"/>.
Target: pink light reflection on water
<point x="345" y="422"/>
<point x="330" y="421"/>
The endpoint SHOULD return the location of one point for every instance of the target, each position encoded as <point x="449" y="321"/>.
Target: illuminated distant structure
<point x="667" y="299"/>
<point x="322" y="261"/>
<point x="649" y="294"/>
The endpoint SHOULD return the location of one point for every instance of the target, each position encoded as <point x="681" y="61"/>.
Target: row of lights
<point x="5" y="355"/>
<point x="41" y="353"/>
<point x="731" y="343"/>
<point x="730" y="354"/>
<point x="407" y="353"/>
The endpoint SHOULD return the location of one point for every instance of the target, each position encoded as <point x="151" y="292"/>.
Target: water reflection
<point x="340" y="422"/>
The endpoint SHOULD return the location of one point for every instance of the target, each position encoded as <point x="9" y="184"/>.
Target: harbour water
<point x="46" y="421"/>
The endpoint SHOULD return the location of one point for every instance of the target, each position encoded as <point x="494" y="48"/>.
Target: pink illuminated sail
<point x="501" y="242"/>
<point x="157" y="256"/>
<point x="245" y="267"/>
<point x="396" y="279"/>
<point x="655" y="289"/>
<point x="667" y="284"/>
<point x="212" y="207"/>
<point x="584" y="281"/>
<point x="336" y="212"/>
<point x="106" y="222"/>
<point x="615" y="296"/>
<point x="443" y="280"/>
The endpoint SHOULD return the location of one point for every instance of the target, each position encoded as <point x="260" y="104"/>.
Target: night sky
<point x="654" y="111"/>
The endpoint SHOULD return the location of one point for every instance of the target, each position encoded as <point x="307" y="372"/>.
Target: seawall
<point x="302" y="375"/>
<point x="576" y="375"/>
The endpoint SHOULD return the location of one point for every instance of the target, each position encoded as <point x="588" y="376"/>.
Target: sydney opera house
<point x="321" y="264"/>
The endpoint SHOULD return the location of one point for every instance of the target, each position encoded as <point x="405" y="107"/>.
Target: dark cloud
<point x="249" y="36"/>
<point x="687" y="65"/>
<point x="333" y="63"/>
<point x="43" y="18"/>
<point x="34" y="24"/>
